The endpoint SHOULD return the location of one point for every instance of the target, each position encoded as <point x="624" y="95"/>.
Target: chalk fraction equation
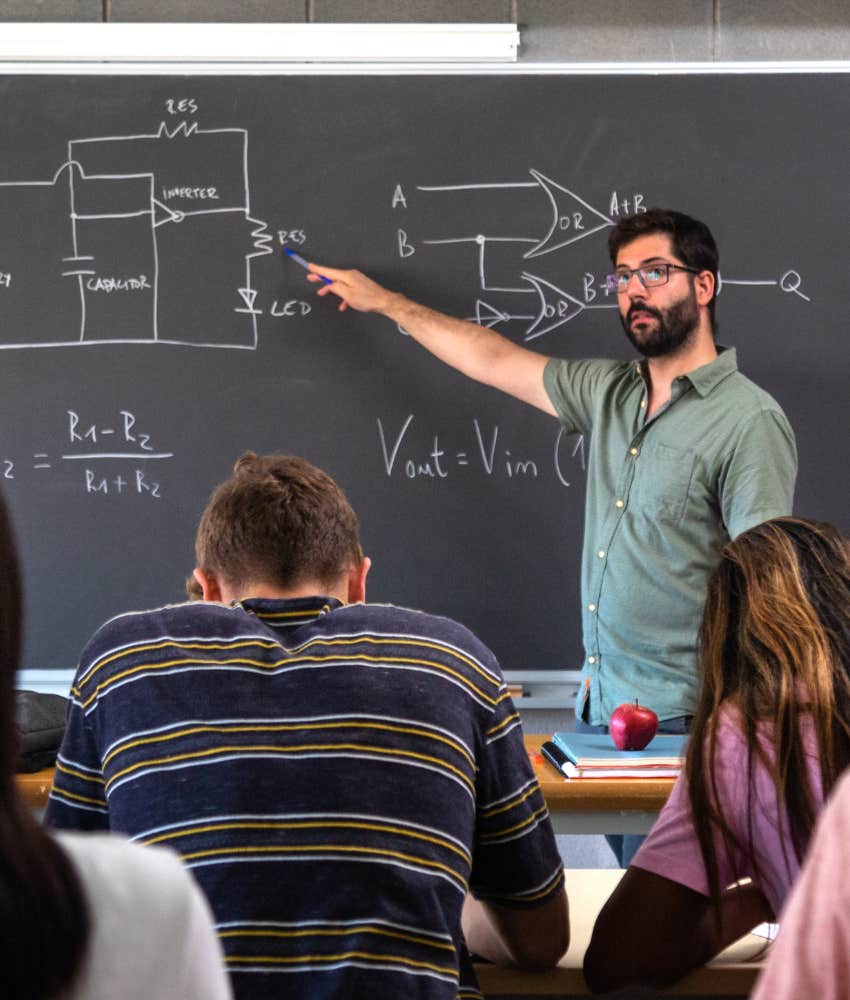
<point x="484" y="453"/>
<point x="114" y="458"/>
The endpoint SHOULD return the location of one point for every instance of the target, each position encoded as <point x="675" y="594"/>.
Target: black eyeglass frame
<point x="612" y="281"/>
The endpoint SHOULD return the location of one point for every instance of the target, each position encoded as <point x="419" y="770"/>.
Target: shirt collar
<point x="706" y="377"/>
<point x="289" y="612"/>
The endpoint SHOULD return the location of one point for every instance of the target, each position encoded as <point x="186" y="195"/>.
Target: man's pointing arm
<point x="474" y="350"/>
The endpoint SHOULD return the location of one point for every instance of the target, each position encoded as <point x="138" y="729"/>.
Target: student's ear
<point x="357" y="581"/>
<point x="208" y="582"/>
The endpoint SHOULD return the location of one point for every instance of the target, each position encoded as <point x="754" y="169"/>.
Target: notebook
<point x="593" y="755"/>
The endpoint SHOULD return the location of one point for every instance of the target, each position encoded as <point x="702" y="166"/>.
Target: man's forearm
<point x="472" y="349"/>
<point x="482" y="937"/>
<point x="530" y="938"/>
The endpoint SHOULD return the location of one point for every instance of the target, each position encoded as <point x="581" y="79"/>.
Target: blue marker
<point x="300" y="260"/>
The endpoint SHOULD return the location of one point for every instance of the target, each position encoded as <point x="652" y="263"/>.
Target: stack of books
<point x="591" y="755"/>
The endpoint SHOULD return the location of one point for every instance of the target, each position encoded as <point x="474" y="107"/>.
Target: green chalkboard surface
<point x="151" y="328"/>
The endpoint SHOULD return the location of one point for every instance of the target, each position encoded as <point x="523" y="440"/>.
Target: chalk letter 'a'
<point x="405" y="249"/>
<point x="398" y="197"/>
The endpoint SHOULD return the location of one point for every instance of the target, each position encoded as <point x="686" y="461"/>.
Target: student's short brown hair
<point x="278" y="520"/>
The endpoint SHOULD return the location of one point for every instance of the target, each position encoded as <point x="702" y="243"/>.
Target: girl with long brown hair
<point x="769" y="739"/>
<point x="85" y="917"/>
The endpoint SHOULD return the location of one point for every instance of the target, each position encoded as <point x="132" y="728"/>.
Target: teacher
<point x="685" y="453"/>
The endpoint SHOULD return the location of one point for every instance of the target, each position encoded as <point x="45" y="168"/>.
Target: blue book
<point x="594" y="755"/>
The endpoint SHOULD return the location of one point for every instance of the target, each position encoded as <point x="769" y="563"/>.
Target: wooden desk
<point x="35" y="787"/>
<point x="600" y="805"/>
<point x="622" y="805"/>
<point x="731" y="974"/>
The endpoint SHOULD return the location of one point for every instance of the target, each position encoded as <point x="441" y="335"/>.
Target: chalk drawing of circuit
<point x="571" y="219"/>
<point x="157" y="248"/>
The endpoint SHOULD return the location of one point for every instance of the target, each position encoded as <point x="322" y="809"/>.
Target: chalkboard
<point x="151" y="328"/>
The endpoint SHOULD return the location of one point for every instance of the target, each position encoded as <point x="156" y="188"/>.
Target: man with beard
<point x="685" y="452"/>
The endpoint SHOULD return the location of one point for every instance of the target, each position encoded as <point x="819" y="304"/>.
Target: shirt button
<point x="591" y="607"/>
<point x="601" y="553"/>
<point x="591" y="659"/>
<point x="643" y="403"/>
<point x="619" y="503"/>
<point x="633" y="451"/>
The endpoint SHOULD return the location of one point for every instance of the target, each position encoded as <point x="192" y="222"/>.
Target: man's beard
<point x="675" y="327"/>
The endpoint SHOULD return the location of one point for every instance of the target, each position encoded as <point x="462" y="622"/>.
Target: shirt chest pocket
<point x="661" y="481"/>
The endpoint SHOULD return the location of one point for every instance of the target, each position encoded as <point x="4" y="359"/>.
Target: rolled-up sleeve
<point x="573" y="387"/>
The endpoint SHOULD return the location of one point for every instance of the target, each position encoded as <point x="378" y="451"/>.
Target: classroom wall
<point x="551" y="30"/>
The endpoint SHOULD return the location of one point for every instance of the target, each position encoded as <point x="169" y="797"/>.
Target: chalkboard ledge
<point x="540" y="688"/>
<point x="46" y="681"/>
<point x="544" y="688"/>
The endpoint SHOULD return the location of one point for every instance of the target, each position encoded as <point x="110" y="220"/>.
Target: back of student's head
<point x="775" y="644"/>
<point x="278" y="520"/>
<point x="44" y="921"/>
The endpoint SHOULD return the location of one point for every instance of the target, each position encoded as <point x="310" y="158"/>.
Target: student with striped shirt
<point x="347" y="782"/>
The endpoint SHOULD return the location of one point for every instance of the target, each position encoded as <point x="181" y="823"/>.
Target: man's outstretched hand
<point x="352" y="288"/>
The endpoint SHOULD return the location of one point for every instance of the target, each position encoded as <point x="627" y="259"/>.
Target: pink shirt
<point x="810" y="956"/>
<point x="672" y="849"/>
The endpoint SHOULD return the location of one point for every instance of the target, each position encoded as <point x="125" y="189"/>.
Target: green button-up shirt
<point x="663" y="496"/>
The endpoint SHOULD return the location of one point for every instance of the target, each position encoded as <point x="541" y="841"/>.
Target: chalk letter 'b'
<point x="405" y="249"/>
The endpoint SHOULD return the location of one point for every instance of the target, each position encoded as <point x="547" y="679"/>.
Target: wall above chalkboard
<point x="151" y="328"/>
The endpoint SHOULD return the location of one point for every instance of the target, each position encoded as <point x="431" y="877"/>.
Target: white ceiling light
<point x="257" y="42"/>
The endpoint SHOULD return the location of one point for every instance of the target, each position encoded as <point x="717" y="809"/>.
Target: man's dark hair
<point x="691" y="239"/>
<point x="277" y="520"/>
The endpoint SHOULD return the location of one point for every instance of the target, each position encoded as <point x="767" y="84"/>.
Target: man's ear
<point x="357" y="581"/>
<point x="210" y="587"/>
<point x="704" y="284"/>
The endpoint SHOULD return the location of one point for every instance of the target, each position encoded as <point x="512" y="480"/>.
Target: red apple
<point x="632" y="726"/>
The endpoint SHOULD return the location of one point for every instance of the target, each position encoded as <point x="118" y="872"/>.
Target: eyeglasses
<point x="649" y="276"/>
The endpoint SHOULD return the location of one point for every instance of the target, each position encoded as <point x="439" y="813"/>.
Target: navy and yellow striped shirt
<point x="335" y="777"/>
